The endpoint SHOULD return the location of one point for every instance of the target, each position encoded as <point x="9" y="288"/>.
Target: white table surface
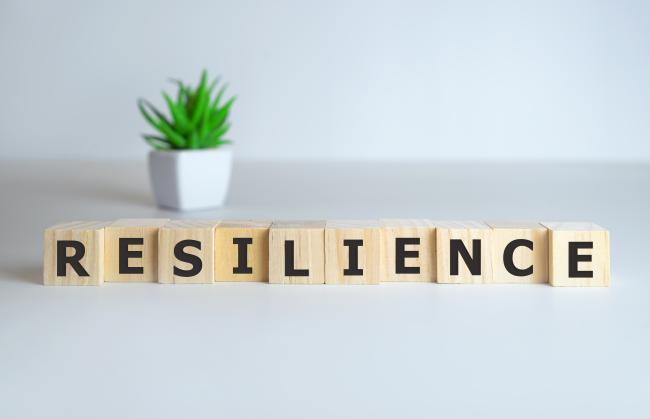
<point x="392" y="350"/>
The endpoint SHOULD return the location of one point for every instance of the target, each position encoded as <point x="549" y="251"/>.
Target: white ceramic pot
<point x="190" y="179"/>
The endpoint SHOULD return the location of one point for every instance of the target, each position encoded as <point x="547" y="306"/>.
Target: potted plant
<point x="191" y="161"/>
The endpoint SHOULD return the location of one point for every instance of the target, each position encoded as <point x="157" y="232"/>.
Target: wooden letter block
<point x="242" y="251"/>
<point x="579" y="255"/>
<point x="519" y="252"/>
<point x="408" y="251"/>
<point x="131" y="250"/>
<point x="186" y="252"/>
<point x="297" y="252"/>
<point x="73" y="253"/>
<point x="352" y="252"/>
<point x="464" y="252"/>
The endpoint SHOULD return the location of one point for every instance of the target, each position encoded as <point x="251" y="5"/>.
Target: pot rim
<point x="197" y="150"/>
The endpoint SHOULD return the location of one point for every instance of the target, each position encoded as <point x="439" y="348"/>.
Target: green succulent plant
<point x="198" y="118"/>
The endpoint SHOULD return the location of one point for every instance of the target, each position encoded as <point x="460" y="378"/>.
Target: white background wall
<point x="335" y="79"/>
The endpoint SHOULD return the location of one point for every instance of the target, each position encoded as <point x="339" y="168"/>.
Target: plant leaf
<point x="214" y="83"/>
<point x="155" y="124"/>
<point x="155" y="110"/>
<point x="220" y="115"/>
<point x="201" y="98"/>
<point x="183" y="91"/>
<point x="204" y="123"/>
<point x="194" y="140"/>
<point x="217" y="98"/>
<point x="178" y="114"/>
<point x="162" y="124"/>
<point x="159" y="143"/>
<point x="214" y="138"/>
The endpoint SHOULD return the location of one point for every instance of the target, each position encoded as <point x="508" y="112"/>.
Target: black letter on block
<point x="401" y="254"/>
<point x="574" y="258"/>
<point x="242" y="255"/>
<point x="193" y="260"/>
<point x="289" y="269"/>
<point x="508" y="254"/>
<point x="353" y="256"/>
<point x="62" y="259"/>
<point x="457" y="247"/>
<point x="125" y="254"/>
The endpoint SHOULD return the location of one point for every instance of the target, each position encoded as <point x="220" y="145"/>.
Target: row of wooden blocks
<point x="326" y="252"/>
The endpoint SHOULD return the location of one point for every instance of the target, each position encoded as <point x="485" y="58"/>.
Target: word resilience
<point x="326" y="252"/>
